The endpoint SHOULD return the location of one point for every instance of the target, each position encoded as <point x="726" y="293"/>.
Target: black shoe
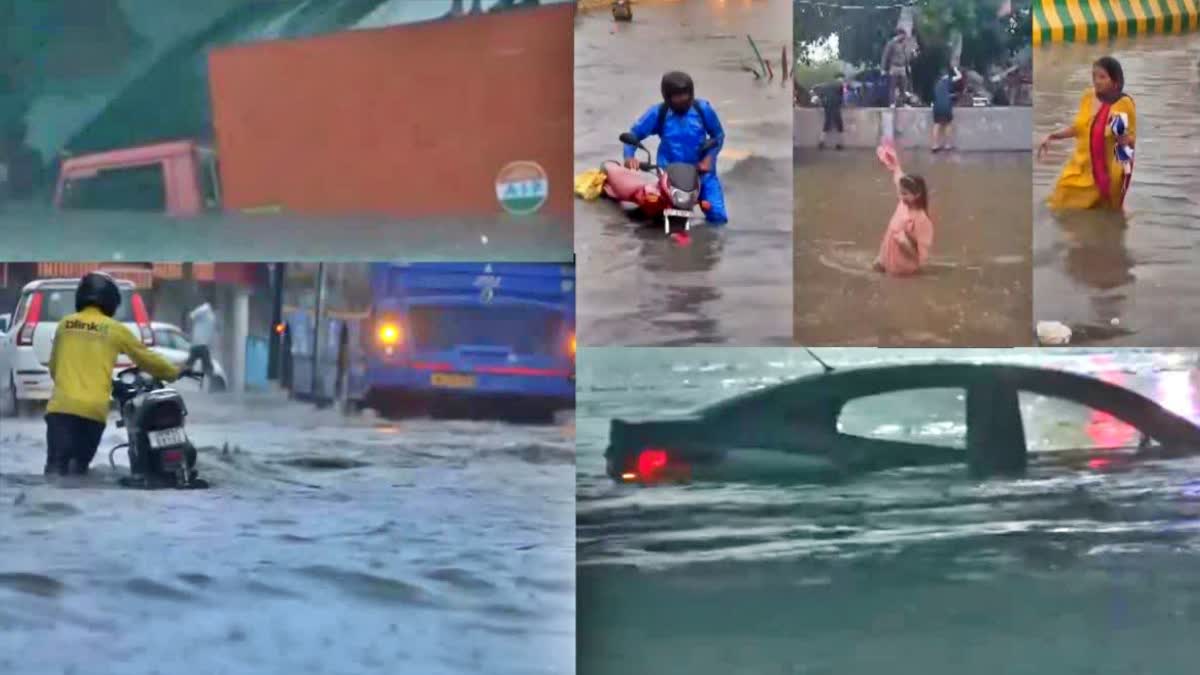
<point x="839" y="146"/>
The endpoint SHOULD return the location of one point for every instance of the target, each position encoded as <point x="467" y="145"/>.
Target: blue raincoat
<point x="680" y="141"/>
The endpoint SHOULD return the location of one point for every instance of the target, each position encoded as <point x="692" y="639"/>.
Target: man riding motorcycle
<point x="683" y="122"/>
<point x="86" y="346"/>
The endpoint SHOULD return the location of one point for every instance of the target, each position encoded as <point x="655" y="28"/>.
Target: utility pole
<point x="319" y="322"/>
<point x="275" y="346"/>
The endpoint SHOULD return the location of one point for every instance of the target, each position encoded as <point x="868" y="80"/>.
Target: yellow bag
<point x="590" y="184"/>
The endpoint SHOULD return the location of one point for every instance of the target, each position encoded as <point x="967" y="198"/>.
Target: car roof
<point x="39" y="284"/>
<point x="846" y="384"/>
<point x="834" y="389"/>
<point x="162" y="325"/>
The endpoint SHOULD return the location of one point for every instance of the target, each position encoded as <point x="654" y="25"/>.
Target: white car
<point x="25" y="345"/>
<point x="173" y="345"/>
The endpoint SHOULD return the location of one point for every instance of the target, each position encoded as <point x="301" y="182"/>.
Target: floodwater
<point x="976" y="291"/>
<point x="728" y="285"/>
<point x="1127" y="279"/>
<point x="325" y="545"/>
<point x="908" y="571"/>
<point x="29" y="232"/>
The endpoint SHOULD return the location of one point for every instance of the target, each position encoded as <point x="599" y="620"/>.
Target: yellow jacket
<point x="85" y="351"/>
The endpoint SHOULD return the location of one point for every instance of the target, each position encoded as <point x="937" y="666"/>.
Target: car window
<point x="1053" y="423"/>
<point x="58" y="303"/>
<point x="22" y="308"/>
<point x="140" y="188"/>
<point x="180" y="341"/>
<point x="929" y="416"/>
<point x="164" y="338"/>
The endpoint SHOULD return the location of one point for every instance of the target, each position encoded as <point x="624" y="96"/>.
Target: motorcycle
<point x="152" y="414"/>
<point x="672" y="196"/>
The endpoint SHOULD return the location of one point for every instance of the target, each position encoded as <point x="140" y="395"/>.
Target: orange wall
<point x="410" y="121"/>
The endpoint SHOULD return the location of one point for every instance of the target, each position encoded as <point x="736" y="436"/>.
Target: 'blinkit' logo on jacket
<point x="91" y="326"/>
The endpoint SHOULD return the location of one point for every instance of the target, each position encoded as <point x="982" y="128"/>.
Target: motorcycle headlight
<point x="683" y="199"/>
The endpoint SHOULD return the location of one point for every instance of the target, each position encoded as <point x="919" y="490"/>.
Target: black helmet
<point x="676" y="82"/>
<point x="97" y="289"/>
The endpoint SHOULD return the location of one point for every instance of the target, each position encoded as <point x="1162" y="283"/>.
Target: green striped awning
<point x="1093" y="20"/>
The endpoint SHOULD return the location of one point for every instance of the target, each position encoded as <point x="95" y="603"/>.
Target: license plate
<point x="452" y="381"/>
<point x="676" y="212"/>
<point x="167" y="438"/>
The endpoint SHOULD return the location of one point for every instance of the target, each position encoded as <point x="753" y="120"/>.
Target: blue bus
<point x="473" y="336"/>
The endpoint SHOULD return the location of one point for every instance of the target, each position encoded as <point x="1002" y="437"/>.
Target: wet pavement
<point x="326" y="545"/>
<point x="729" y="285"/>
<point x="976" y="291"/>
<point x="34" y="232"/>
<point x="1132" y="279"/>
<point x="1064" y="571"/>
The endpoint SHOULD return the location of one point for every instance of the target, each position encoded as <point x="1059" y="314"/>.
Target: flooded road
<point x="1064" y="571"/>
<point x="975" y="292"/>
<point x="729" y="285"/>
<point x="1129" y="280"/>
<point x="30" y="232"/>
<point x="325" y="546"/>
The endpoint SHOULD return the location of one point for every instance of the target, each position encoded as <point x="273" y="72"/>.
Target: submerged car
<point x="798" y="425"/>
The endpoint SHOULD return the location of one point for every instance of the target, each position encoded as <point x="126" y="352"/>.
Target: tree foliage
<point x="863" y="32"/>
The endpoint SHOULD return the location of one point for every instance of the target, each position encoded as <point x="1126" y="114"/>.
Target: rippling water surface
<point x="1125" y="280"/>
<point x="907" y="571"/>
<point x="325" y="546"/>
<point x="975" y="291"/>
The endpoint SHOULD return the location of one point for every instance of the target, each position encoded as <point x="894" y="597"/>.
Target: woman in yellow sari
<point x="1105" y="130"/>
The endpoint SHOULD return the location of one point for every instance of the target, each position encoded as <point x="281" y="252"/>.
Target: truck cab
<point x="177" y="178"/>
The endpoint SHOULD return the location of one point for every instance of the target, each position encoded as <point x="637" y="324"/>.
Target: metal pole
<point x="275" y="347"/>
<point x="320" y="310"/>
<point x="241" y="333"/>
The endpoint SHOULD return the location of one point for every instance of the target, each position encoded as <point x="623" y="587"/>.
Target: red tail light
<point x="25" y="335"/>
<point x="656" y="465"/>
<point x="142" y="317"/>
<point x="172" y="456"/>
<point x="651" y="462"/>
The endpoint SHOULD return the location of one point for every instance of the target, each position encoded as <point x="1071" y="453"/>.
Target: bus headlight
<point x="389" y="334"/>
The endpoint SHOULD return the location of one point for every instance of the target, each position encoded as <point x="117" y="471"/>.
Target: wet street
<point x="1129" y="280"/>
<point x="729" y="285"/>
<point x="1065" y="571"/>
<point x="974" y="293"/>
<point x="37" y="233"/>
<point x="325" y="545"/>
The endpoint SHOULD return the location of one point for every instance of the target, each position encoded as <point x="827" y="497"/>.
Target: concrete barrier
<point x="1098" y="20"/>
<point x="975" y="129"/>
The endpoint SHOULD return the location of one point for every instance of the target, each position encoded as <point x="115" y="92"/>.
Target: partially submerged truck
<point x="409" y="121"/>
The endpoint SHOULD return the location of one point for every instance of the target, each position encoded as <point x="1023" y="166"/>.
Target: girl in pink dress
<point x="909" y="236"/>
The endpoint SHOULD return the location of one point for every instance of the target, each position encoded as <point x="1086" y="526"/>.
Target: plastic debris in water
<point x="1053" y="333"/>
